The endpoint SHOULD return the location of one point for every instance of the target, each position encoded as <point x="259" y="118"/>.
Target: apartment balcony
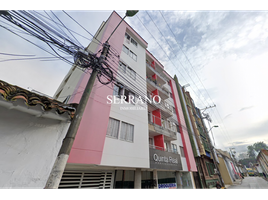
<point x="166" y="109"/>
<point x="151" y="71"/>
<point x="167" y="128"/>
<point x="153" y="85"/>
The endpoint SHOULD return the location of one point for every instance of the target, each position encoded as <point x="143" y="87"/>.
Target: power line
<point x="170" y="59"/>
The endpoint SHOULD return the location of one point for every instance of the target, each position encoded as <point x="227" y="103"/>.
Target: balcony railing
<point x="155" y="71"/>
<point x="154" y="83"/>
<point x="164" y="149"/>
<point x="163" y="105"/>
<point x="167" y="128"/>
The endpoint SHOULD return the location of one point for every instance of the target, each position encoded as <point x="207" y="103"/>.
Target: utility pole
<point x="210" y="144"/>
<point x="63" y="155"/>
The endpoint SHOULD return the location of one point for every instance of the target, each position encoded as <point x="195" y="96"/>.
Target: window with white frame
<point x="134" y="42"/>
<point x="122" y="67"/>
<point x="113" y="128"/>
<point x="130" y="53"/>
<point x="130" y="96"/>
<point x="127" y="36"/>
<point x="133" y="55"/>
<point x="174" y="148"/>
<point x="125" y="49"/>
<point x="127" y="132"/>
<point x="131" y="73"/>
<point x="118" y="91"/>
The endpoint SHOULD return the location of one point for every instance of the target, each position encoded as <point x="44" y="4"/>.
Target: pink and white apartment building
<point x="126" y="144"/>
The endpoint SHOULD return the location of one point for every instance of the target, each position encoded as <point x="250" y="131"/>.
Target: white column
<point x="178" y="178"/>
<point x="155" y="178"/>
<point x="137" y="182"/>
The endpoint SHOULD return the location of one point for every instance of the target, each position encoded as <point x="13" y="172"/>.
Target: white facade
<point x="29" y="143"/>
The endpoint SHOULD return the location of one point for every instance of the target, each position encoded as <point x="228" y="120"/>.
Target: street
<point x="251" y="183"/>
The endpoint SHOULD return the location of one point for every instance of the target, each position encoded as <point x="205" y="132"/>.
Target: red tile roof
<point x="12" y="93"/>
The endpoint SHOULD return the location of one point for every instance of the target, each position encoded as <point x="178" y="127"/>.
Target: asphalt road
<point x="251" y="182"/>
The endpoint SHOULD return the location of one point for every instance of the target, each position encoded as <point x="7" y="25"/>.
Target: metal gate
<point x="80" y="179"/>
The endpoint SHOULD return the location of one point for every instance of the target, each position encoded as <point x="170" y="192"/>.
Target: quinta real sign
<point x="164" y="160"/>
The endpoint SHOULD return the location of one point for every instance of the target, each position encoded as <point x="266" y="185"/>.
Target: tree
<point x="256" y="147"/>
<point x="251" y="151"/>
<point x="260" y="145"/>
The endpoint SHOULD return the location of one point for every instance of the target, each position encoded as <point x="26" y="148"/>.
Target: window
<point x="127" y="132"/>
<point x="127" y="36"/>
<point x="151" y="142"/>
<point x="113" y="128"/>
<point x="131" y="73"/>
<point x="129" y="94"/>
<point x="134" y="42"/>
<point x="122" y="67"/>
<point x="125" y="49"/>
<point x="174" y="148"/>
<point x="210" y="168"/>
<point x="130" y="53"/>
<point x="178" y="128"/>
<point x="118" y="91"/>
<point x="182" y="152"/>
<point x="133" y="55"/>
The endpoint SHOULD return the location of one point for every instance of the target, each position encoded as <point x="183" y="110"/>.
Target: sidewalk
<point x="236" y="182"/>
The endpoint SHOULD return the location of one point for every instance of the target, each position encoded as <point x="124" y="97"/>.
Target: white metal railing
<point x="164" y="123"/>
<point x="166" y="128"/>
<point x="154" y="70"/>
<point x="163" y="105"/>
<point x="163" y="149"/>
<point x="154" y="83"/>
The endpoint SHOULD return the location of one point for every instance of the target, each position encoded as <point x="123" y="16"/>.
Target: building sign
<point x="167" y="186"/>
<point x="164" y="160"/>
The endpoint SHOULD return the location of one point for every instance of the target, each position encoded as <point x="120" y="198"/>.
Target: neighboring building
<point x="262" y="160"/>
<point x="205" y="177"/>
<point x="135" y="145"/>
<point x="32" y="129"/>
<point x="225" y="167"/>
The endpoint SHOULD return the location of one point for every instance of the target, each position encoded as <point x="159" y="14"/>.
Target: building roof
<point x="264" y="151"/>
<point x="12" y="93"/>
<point x="224" y="153"/>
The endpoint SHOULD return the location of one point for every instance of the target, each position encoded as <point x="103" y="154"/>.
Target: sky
<point x="222" y="53"/>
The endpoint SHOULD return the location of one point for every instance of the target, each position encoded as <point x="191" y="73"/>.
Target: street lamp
<point x="129" y="13"/>
<point x="213" y="127"/>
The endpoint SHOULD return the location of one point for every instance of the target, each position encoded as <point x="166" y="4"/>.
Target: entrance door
<point x="147" y="179"/>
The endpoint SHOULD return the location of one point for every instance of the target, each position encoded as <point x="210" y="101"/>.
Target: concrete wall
<point x="225" y="172"/>
<point x="29" y="146"/>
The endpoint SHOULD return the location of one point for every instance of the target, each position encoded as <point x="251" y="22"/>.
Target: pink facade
<point x="89" y="141"/>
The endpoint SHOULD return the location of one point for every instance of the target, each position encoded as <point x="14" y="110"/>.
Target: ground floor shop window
<point x="147" y="180"/>
<point x="124" y="179"/>
<point x="186" y="180"/>
<point x="166" y="180"/>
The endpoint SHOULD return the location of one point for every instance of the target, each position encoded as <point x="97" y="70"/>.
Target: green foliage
<point x="257" y="147"/>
